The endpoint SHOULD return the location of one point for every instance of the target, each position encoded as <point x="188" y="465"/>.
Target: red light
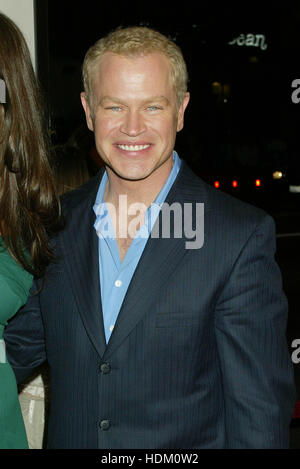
<point x="234" y="183"/>
<point x="258" y="182"/>
<point x="217" y="184"/>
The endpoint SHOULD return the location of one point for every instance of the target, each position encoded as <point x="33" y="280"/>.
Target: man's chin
<point x="133" y="176"/>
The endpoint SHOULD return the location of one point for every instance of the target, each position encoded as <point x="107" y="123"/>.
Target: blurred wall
<point x="22" y="13"/>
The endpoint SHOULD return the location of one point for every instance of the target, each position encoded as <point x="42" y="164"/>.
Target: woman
<point x="70" y="171"/>
<point x="29" y="206"/>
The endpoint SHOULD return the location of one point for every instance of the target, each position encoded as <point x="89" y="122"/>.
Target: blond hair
<point x="136" y="41"/>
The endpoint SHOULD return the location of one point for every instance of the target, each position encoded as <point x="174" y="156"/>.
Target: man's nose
<point x="133" y="124"/>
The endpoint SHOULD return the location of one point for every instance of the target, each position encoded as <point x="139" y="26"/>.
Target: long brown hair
<point x="29" y="206"/>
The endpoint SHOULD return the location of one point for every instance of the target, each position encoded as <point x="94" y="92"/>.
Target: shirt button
<point x="105" y="368"/>
<point x="104" y="424"/>
<point x="118" y="283"/>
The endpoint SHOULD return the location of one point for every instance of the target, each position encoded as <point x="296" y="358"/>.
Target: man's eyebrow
<point x="153" y="99"/>
<point x="106" y="99"/>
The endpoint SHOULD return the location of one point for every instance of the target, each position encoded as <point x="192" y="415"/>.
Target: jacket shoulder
<point x="227" y="208"/>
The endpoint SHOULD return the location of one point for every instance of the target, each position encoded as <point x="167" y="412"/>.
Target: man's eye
<point x="153" y="108"/>
<point x="114" y="108"/>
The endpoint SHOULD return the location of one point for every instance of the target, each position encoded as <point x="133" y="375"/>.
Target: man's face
<point x="134" y="115"/>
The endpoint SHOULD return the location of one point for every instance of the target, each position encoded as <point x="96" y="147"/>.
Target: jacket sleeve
<point x="257" y="372"/>
<point x="24" y="338"/>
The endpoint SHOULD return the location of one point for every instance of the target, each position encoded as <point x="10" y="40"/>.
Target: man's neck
<point x="142" y="191"/>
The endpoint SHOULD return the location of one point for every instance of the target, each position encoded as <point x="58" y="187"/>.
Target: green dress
<point x="15" y="283"/>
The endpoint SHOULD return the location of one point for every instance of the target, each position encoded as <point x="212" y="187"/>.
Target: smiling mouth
<point x="133" y="147"/>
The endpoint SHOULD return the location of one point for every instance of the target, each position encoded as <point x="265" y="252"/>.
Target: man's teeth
<point x="133" y="147"/>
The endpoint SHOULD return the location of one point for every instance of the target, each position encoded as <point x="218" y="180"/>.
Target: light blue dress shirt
<point x="115" y="276"/>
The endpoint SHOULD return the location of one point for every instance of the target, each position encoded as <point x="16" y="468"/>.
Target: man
<point x="156" y="339"/>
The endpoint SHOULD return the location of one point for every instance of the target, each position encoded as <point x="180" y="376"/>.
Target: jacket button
<point x="104" y="424"/>
<point x="105" y="368"/>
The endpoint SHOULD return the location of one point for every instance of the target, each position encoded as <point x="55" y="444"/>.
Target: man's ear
<point x="87" y="110"/>
<point x="181" y="111"/>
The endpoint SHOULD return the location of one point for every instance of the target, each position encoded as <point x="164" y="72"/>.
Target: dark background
<point x="241" y="122"/>
<point x="257" y="113"/>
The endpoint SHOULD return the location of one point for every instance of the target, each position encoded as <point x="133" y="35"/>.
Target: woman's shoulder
<point x="13" y="277"/>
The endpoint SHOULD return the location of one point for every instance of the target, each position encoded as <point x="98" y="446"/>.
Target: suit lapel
<point x="80" y="248"/>
<point x="160" y="258"/>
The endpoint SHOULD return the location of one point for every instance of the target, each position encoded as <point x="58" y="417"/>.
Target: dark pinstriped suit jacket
<point x="198" y="357"/>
